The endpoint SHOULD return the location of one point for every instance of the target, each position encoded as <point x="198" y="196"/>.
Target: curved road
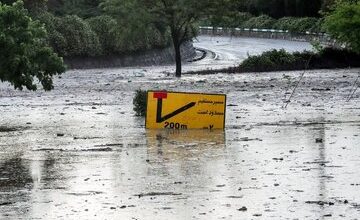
<point x="232" y="51"/>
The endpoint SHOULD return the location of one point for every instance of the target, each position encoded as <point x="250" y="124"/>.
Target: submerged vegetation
<point x="139" y="102"/>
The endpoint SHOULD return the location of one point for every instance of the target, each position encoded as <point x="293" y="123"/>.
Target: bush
<point x="269" y="60"/>
<point x="233" y="20"/>
<point x="81" y="40"/>
<point x="140" y="101"/>
<point x="105" y="28"/>
<point x="70" y="35"/>
<point x="246" y="20"/>
<point x="55" y="39"/>
<point x="278" y="60"/>
<point x="240" y="18"/>
<point x="262" y="21"/>
<point x="298" y="25"/>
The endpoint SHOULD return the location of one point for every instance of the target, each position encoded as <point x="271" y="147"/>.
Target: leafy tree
<point x="281" y="8"/>
<point x="81" y="8"/>
<point x="80" y="39"/>
<point x="181" y="17"/>
<point x="262" y="21"/>
<point x="24" y="54"/>
<point x="343" y="23"/>
<point x="136" y="30"/>
<point x="177" y="16"/>
<point x="32" y="5"/>
<point x="105" y="28"/>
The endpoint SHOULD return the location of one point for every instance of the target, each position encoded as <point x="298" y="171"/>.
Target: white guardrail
<point x="209" y="28"/>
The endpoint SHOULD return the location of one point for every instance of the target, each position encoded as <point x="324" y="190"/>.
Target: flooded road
<point x="79" y="152"/>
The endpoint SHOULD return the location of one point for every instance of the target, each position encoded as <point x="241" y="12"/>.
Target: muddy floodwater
<point x="79" y="151"/>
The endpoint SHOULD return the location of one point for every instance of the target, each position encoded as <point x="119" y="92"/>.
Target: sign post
<point x="180" y="110"/>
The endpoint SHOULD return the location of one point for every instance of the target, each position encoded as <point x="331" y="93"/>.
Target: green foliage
<point x="81" y="8"/>
<point x="151" y="20"/>
<point x="80" y="39"/>
<point x="240" y="18"/>
<point x="24" y="52"/>
<point x="229" y="20"/>
<point x="136" y="29"/>
<point x="268" y="61"/>
<point x="139" y="102"/>
<point x="298" y="25"/>
<point x="246" y="20"/>
<point x="278" y="60"/>
<point x="105" y="27"/>
<point x="343" y="23"/>
<point x="317" y="46"/>
<point x="71" y="35"/>
<point x="280" y="8"/>
<point x="262" y="21"/>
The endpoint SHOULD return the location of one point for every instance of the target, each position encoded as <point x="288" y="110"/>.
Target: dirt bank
<point x="154" y="57"/>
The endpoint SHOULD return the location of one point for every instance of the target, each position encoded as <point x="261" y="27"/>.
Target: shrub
<point x="278" y="60"/>
<point x="80" y="39"/>
<point x="269" y="60"/>
<point x="55" y="39"/>
<point x="105" y="28"/>
<point x="284" y="23"/>
<point x="302" y="25"/>
<point x="262" y="21"/>
<point x="240" y="18"/>
<point x="232" y="20"/>
<point x="70" y="35"/>
<point x="140" y="101"/>
<point x="298" y="25"/>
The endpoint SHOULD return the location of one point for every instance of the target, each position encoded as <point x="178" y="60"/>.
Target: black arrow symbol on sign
<point x="159" y="117"/>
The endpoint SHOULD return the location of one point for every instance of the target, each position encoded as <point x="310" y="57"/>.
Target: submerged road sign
<point x="180" y="110"/>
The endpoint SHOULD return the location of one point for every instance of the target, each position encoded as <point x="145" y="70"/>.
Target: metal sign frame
<point x="160" y="118"/>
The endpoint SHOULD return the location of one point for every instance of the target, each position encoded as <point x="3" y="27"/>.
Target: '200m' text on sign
<point x="177" y="110"/>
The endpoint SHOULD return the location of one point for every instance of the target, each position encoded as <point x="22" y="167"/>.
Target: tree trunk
<point x="177" y="44"/>
<point x="178" y="60"/>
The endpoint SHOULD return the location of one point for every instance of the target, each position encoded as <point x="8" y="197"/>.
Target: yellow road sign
<point x="180" y="110"/>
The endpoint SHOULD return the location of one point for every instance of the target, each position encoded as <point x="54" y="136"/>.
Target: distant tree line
<point x="105" y="27"/>
<point x="283" y="8"/>
<point x="246" y="20"/>
<point x="84" y="28"/>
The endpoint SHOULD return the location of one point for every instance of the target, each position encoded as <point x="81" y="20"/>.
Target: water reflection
<point x="183" y="144"/>
<point x="15" y="173"/>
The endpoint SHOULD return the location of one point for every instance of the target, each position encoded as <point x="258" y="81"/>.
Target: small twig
<point x="298" y="83"/>
<point x="356" y="86"/>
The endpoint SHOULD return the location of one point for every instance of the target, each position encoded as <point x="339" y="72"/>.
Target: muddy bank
<point x="146" y="58"/>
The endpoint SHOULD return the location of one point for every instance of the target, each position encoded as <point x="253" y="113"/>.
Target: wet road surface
<point x="227" y="51"/>
<point x="78" y="152"/>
